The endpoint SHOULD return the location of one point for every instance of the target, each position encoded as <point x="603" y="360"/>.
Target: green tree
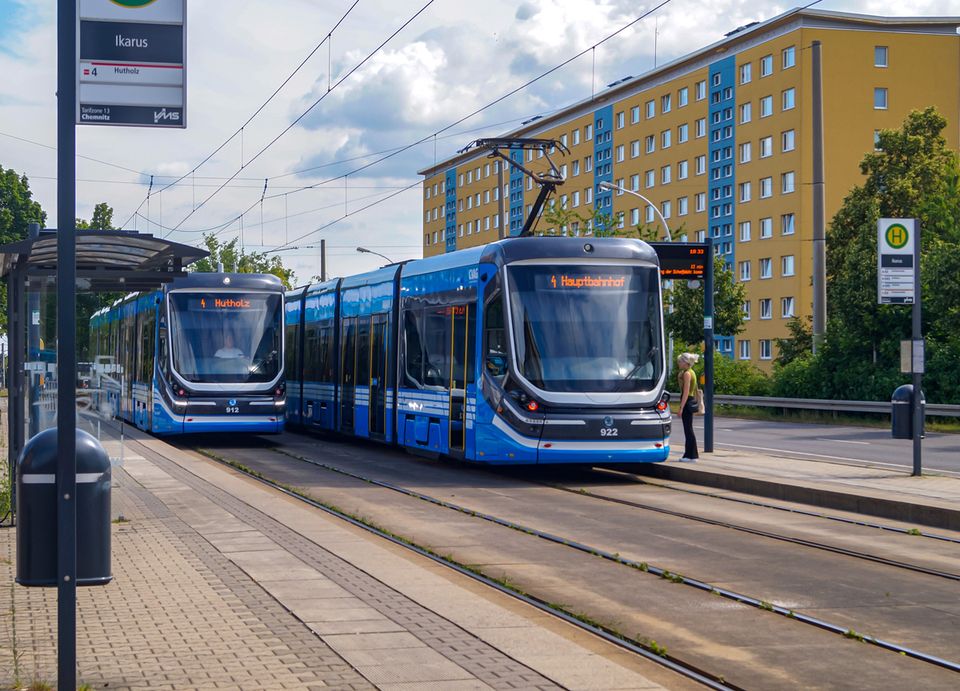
<point x="799" y="344"/>
<point x="235" y="258"/>
<point x="89" y="303"/>
<point x="684" y="320"/>
<point x="17" y="209"/>
<point x="912" y="174"/>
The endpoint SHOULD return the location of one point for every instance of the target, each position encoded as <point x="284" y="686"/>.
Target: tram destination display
<point x="685" y="260"/>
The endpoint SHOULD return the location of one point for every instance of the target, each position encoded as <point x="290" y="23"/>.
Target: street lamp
<point x="364" y="250"/>
<point x="610" y="186"/>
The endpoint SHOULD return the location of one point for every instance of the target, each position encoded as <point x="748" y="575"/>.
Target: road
<point x="839" y="443"/>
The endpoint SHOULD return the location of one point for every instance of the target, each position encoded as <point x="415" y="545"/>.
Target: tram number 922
<point x="609" y="432"/>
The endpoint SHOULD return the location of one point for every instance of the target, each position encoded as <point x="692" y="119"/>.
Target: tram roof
<point x="107" y="260"/>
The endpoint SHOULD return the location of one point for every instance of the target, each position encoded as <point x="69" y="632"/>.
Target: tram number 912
<point x="233" y="409"/>
<point x="609" y="432"/>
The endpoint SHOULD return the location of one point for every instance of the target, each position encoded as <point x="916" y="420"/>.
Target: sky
<point x="354" y="101"/>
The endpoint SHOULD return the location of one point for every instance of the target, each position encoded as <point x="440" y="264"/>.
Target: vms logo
<point x="165" y="115"/>
<point x="133" y="4"/>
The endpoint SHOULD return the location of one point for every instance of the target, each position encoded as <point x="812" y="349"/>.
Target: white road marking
<point x="844" y="441"/>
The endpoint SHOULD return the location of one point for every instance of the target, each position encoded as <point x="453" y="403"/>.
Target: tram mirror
<point x="496" y="364"/>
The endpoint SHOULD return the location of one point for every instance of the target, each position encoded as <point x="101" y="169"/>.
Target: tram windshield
<point x="226" y="337"/>
<point x="587" y="328"/>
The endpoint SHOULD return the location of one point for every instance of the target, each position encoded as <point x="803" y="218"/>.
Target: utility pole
<point x="323" y="261"/>
<point x="819" y="218"/>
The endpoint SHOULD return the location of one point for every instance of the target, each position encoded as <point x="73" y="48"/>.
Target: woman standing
<point x="687" y="380"/>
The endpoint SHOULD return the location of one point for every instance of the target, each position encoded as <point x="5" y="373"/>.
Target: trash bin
<point x="37" y="511"/>
<point x="901" y="415"/>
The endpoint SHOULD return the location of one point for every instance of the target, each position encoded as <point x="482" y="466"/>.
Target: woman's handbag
<point x="701" y="407"/>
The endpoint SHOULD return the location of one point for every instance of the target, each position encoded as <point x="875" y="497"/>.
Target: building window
<point x="651" y="109"/>
<point x="575" y="168"/>
<point x="880" y="56"/>
<point x="766" y="188"/>
<point x="746" y="151"/>
<point x="765" y="352"/>
<point x="460" y="205"/>
<point x="746" y="112"/>
<point x="746" y="73"/>
<point x="634" y="148"/>
<point x="766" y="268"/>
<point x="665" y="103"/>
<point x="789" y="100"/>
<point x="666" y="208"/>
<point x="700" y="202"/>
<point x="766" y="308"/>
<point x="683" y="133"/>
<point x="650" y="214"/>
<point x="620" y="120"/>
<point x="744" y="192"/>
<point x="665" y="137"/>
<point x="701" y="164"/>
<point x="683" y="97"/>
<point x="786" y="307"/>
<point x="744" y="268"/>
<point x="635" y="183"/>
<point x="588" y="132"/>
<point x="588" y="196"/>
<point x="880" y="98"/>
<point x="619" y="190"/>
<point x="587" y="164"/>
<point x="620" y="153"/>
<point x="576" y="140"/>
<point x="682" y="170"/>
<point x="766" y="65"/>
<point x="700" y="90"/>
<point x="787" y="224"/>
<point x="665" y="175"/>
<point x="650" y="179"/>
<point x="746" y="310"/>
<point x="788" y="140"/>
<point x="575" y="199"/>
<point x="634" y="115"/>
<point x="786" y="265"/>
<point x="787" y="182"/>
<point x="766" y="228"/>
<point x="650" y="143"/>
<point x="766" y="106"/>
<point x="700" y="127"/>
<point x="682" y="206"/>
<point x="716" y="79"/>
<point x="766" y="147"/>
<point x="789" y="56"/>
<point x="744" y="347"/>
<point x="745" y="231"/>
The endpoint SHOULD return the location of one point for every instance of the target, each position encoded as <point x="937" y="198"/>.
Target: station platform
<point x="220" y="582"/>
<point x="932" y="499"/>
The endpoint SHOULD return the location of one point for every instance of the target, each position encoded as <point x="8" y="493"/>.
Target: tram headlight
<point x="533" y="406"/>
<point x="663" y="404"/>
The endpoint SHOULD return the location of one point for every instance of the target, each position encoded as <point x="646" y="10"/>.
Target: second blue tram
<point x="203" y="354"/>
<point x="527" y="350"/>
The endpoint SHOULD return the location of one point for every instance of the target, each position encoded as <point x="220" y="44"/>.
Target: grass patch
<point x="120" y="519"/>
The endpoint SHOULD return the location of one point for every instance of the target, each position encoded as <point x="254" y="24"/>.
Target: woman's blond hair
<point x="688" y="358"/>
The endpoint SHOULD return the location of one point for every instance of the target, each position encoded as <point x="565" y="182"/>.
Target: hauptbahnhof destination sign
<point x="131" y="62"/>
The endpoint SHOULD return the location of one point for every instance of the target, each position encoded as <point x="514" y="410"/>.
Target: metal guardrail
<point x="932" y="410"/>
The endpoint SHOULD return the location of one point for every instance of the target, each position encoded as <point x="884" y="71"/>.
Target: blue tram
<point x="203" y="354"/>
<point x="524" y="351"/>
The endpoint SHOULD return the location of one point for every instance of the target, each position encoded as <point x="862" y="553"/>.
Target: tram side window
<point x="494" y="339"/>
<point x="311" y="354"/>
<point x="290" y="347"/>
<point x="146" y="347"/>
<point x="162" y="352"/>
<point x="324" y="348"/>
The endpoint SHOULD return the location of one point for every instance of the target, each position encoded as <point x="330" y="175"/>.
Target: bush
<point x="736" y="378"/>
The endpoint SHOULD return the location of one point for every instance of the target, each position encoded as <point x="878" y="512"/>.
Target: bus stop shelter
<point x="106" y="261"/>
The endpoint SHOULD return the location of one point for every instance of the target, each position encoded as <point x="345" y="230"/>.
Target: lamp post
<point x="610" y="186"/>
<point x="364" y="250"/>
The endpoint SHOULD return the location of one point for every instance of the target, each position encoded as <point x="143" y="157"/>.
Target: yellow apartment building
<point x="721" y="141"/>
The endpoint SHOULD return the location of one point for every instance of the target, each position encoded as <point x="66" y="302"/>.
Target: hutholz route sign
<point x="895" y="261"/>
<point x="131" y="62"/>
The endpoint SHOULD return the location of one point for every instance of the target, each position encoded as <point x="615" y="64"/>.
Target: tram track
<point x="653" y="569"/>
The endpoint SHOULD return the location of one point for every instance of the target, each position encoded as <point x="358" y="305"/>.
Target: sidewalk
<point x="220" y="582"/>
<point x="932" y="499"/>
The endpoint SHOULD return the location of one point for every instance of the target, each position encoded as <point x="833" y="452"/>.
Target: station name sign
<point x="896" y="250"/>
<point x="131" y="62"/>
<point x="682" y="260"/>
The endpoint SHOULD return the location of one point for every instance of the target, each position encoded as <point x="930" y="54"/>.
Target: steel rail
<point x="762" y="533"/>
<point x="801" y="512"/>
<point x="645" y="567"/>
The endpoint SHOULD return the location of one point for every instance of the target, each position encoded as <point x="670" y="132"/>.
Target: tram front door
<point x="378" y="376"/>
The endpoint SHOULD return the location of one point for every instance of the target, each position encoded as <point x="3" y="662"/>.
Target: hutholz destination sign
<point x="131" y="63"/>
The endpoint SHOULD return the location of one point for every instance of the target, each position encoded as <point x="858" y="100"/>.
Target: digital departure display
<point x="210" y="302"/>
<point x="562" y="281"/>
<point x="681" y="259"/>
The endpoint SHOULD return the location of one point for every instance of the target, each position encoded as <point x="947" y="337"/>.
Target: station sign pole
<point x="898" y="283"/>
<point x="66" y="346"/>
